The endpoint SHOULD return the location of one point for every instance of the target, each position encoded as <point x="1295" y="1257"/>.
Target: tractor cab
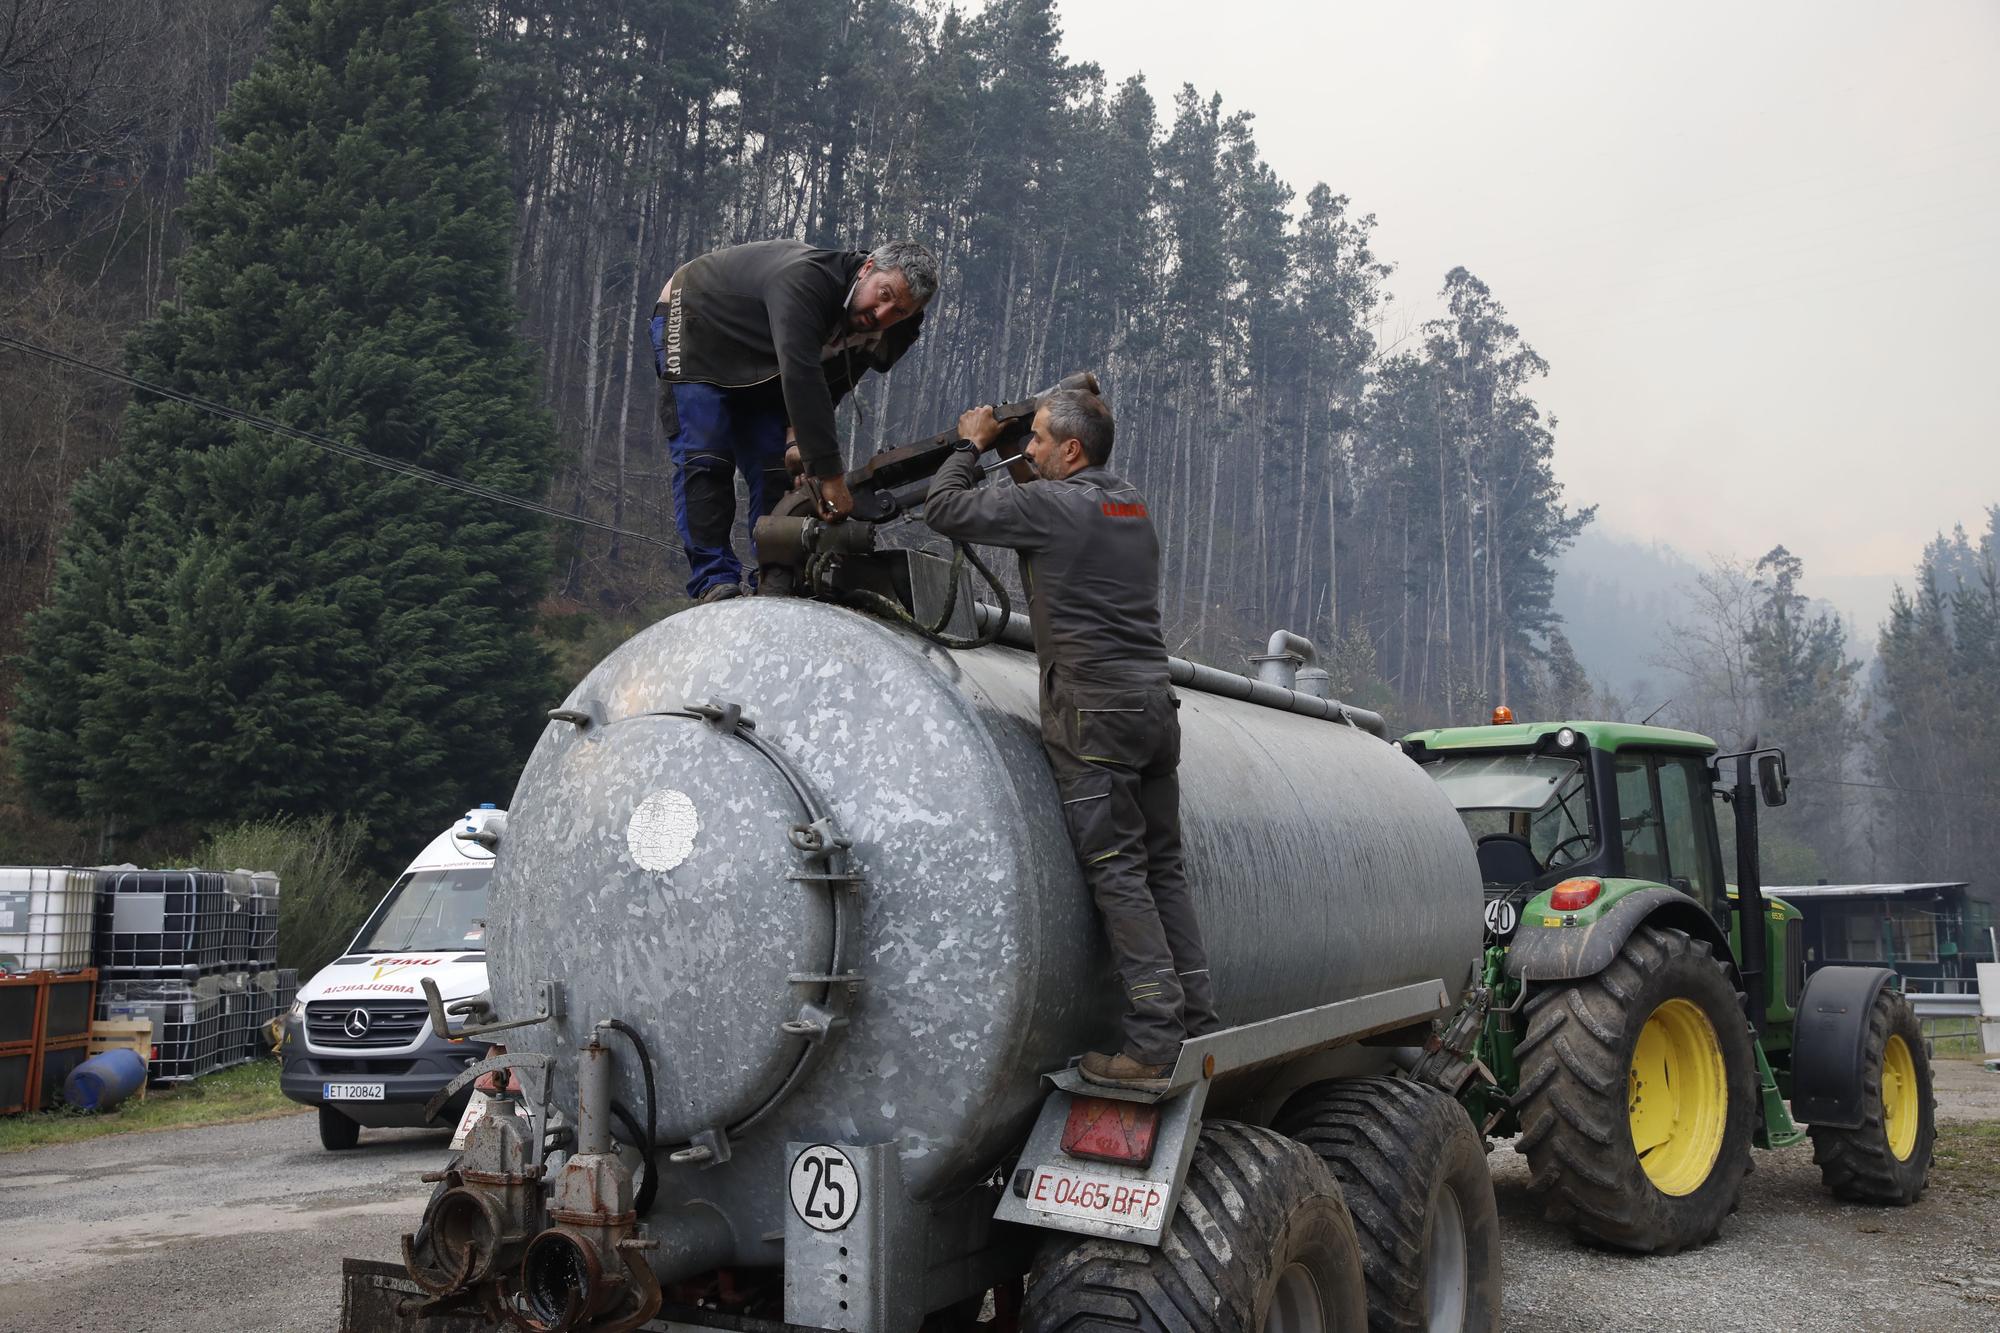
<point x="1551" y="802"/>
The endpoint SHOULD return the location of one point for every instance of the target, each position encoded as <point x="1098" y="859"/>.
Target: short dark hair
<point x="1080" y="415"/>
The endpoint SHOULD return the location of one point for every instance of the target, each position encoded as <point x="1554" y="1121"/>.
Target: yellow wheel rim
<point x="1678" y="1095"/>
<point x="1899" y="1098"/>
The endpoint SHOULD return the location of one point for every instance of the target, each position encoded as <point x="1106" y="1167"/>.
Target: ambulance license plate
<point x="1141" y="1204"/>
<point x="353" y="1092"/>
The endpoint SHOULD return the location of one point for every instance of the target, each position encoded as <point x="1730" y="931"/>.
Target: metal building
<point x="1932" y="934"/>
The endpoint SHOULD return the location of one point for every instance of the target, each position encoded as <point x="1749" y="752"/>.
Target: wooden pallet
<point x="133" y="1034"/>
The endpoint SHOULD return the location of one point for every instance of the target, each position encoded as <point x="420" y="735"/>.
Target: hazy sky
<point x="1759" y="244"/>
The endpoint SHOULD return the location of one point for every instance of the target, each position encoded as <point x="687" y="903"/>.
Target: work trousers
<point x="1116" y="753"/>
<point x="713" y="434"/>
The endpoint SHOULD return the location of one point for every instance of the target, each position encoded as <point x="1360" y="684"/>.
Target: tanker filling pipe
<point x="1209" y="680"/>
<point x="593" y="1098"/>
<point x="1282" y="657"/>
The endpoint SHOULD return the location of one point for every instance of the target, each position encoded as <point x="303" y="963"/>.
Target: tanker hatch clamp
<point x="826" y="850"/>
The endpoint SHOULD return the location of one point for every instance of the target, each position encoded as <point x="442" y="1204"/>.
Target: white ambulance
<point x="358" y="1042"/>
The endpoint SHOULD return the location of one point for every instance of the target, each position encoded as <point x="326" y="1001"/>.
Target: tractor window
<point x="1639" y="819"/>
<point x="1539" y="797"/>
<point x="1502" y="781"/>
<point x="1685" y="805"/>
<point x="1563" y="823"/>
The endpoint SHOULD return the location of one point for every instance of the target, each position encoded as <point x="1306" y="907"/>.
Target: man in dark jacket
<point x="1091" y="561"/>
<point x="758" y="342"/>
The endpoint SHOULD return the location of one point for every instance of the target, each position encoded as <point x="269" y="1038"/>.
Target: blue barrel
<point x="103" y="1081"/>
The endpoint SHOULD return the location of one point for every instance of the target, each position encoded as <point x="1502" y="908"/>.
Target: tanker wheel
<point x="337" y="1133"/>
<point x="1638" y="1086"/>
<point x="1413" y="1172"/>
<point x="1887" y="1158"/>
<point x="1259" y="1243"/>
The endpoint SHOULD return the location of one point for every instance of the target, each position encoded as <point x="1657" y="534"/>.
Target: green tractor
<point x="1639" y="1022"/>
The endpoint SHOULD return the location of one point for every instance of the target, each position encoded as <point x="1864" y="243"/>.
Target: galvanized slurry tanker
<point x="1639" y="1022"/>
<point x="786" y="906"/>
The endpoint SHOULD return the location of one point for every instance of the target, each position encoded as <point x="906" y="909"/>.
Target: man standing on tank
<point x="1090" y="558"/>
<point x="755" y="344"/>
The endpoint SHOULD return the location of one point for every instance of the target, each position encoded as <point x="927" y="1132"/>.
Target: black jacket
<point x="1090" y="558"/>
<point x="753" y="313"/>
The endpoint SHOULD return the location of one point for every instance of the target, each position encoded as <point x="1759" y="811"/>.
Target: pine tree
<point x="1805" y="697"/>
<point x="244" y="625"/>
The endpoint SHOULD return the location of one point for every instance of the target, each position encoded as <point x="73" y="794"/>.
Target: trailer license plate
<point x="1127" y="1203"/>
<point x="354" y="1092"/>
<point x="475" y="1110"/>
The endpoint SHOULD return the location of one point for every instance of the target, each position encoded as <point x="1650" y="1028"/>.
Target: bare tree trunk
<point x="1039" y="369"/>
<point x="1208" y="537"/>
<point x="633" y="307"/>
<point x="1444" y="552"/>
<point x="1332" y="547"/>
<point x="1006" y="320"/>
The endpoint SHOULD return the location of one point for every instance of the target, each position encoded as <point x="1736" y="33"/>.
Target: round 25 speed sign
<point x="825" y="1187"/>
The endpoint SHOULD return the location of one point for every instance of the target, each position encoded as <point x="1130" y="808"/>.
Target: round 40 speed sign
<point x="825" y="1187"/>
<point x="1501" y="918"/>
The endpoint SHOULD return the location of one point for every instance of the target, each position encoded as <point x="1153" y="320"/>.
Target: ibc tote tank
<point x="648" y="868"/>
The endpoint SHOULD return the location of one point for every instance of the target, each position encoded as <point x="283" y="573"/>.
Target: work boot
<point x="1124" y="1071"/>
<point x="721" y="592"/>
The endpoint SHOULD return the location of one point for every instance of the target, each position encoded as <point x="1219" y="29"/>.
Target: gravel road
<point x="229" y="1228"/>
<point x="240" y="1229"/>
<point x="1792" y="1258"/>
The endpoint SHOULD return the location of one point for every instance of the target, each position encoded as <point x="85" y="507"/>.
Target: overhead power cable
<point x="329" y="444"/>
<point x="1888" y="786"/>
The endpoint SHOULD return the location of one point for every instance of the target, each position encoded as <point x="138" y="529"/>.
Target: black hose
<point x="890" y="609"/>
<point x="642" y="1200"/>
<point x="648" y="1144"/>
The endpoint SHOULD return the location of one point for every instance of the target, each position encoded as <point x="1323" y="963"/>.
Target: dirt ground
<point x="241" y="1228"/>
<point x="1792" y="1257"/>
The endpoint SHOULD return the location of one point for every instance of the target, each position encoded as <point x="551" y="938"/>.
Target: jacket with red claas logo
<point x="1090" y="558"/>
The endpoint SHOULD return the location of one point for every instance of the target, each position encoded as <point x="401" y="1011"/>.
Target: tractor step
<point x="1775" y="1128"/>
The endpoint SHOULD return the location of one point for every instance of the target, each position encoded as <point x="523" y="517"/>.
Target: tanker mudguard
<point x="1829" y="1044"/>
<point x="1565" y="953"/>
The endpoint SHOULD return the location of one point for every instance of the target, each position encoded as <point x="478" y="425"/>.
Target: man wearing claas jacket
<point x="755" y="344"/>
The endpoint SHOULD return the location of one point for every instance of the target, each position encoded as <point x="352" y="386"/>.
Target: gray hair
<point x="1080" y="415"/>
<point x="918" y="266"/>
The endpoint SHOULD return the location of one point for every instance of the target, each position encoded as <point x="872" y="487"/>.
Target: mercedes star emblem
<point x="357" y="1024"/>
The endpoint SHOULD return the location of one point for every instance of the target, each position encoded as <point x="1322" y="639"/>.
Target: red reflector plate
<point x="1101" y="1130"/>
<point x="1130" y="1203"/>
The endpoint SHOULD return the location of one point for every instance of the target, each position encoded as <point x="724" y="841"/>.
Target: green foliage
<point x="579" y="640"/>
<point x="246" y="627"/>
<point x="324" y="889"/>
<point x="1938" y="715"/>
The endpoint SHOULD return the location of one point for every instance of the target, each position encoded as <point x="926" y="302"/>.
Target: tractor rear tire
<point x="1654" y="1048"/>
<point x="1413" y="1172"/>
<point x="1259" y="1238"/>
<point x="1887" y="1158"/>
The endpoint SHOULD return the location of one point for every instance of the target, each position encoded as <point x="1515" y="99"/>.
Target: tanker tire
<point x="1397" y="1148"/>
<point x="1857" y="1164"/>
<point x="337" y="1133"/>
<point x="1573" y="1105"/>
<point x="1255" y="1205"/>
